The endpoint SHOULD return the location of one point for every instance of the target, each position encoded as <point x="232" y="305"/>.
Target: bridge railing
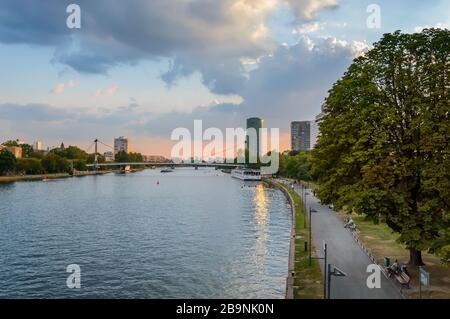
<point x="112" y="164"/>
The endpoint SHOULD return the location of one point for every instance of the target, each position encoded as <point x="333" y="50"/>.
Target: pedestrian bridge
<point x="173" y="165"/>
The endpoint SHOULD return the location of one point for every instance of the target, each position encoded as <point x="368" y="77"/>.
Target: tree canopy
<point x="384" y="148"/>
<point x="72" y="153"/>
<point x="124" y="157"/>
<point x="11" y="143"/>
<point x="53" y="163"/>
<point x="29" y="166"/>
<point x="295" y="166"/>
<point x="7" y="162"/>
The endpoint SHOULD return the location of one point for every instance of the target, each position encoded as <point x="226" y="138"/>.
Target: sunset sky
<point x="143" y="68"/>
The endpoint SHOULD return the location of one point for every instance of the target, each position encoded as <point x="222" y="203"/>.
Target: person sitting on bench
<point x="404" y="269"/>
<point x="349" y="223"/>
<point x="394" y="268"/>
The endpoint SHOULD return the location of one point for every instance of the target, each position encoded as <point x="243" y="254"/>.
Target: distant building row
<point x="17" y="150"/>
<point x="123" y="144"/>
<point x="304" y="134"/>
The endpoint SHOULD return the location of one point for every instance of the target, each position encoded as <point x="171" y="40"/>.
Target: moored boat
<point x="246" y="174"/>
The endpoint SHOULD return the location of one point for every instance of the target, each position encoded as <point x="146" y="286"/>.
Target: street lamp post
<point x="325" y="249"/>
<point x="310" y="236"/>
<point x="304" y="203"/>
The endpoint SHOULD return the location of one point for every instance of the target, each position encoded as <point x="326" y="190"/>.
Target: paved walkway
<point x="346" y="254"/>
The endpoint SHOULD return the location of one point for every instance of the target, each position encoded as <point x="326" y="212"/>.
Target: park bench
<point x="403" y="279"/>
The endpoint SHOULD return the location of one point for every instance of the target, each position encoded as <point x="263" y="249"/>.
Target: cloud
<point x="208" y="36"/>
<point x="309" y="28"/>
<point x="34" y="112"/>
<point x="308" y="9"/>
<point x="59" y="88"/>
<point x="109" y="91"/>
<point x="72" y="84"/>
<point x="288" y="85"/>
<point x="226" y="41"/>
<point x="437" y="26"/>
<point x="293" y="83"/>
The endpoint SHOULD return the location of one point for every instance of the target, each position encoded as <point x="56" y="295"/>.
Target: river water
<point x="195" y="234"/>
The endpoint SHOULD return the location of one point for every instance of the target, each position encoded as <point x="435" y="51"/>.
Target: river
<point x="186" y="234"/>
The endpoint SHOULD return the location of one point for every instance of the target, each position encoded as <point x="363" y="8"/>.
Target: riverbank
<point x="29" y="178"/>
<point x="304" y="281"/>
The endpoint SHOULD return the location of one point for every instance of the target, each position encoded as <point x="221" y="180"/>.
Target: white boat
<point x="246" y="174"/>
<point x="125" y="170"/>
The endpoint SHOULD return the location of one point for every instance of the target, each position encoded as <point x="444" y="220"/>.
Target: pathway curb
<point x="291" y="265"/>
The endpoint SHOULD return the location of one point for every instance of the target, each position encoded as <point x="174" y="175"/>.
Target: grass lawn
<point x="308" y="283"/>
<point x="383" y="242"/>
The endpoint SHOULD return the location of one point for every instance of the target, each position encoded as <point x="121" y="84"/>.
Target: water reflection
<point x="260" y="220"/>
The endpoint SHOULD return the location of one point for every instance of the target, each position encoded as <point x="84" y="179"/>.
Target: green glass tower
<point x="254" y="123"/>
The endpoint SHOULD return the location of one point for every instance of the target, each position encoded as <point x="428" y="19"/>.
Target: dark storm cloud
<point x="209" y="36"/>
<point x="289" y="85"/>
<point x="201" y="35"/>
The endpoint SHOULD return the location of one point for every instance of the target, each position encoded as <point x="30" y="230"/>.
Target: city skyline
<point x="232" y="152"/>
<point x="233" y="59"/>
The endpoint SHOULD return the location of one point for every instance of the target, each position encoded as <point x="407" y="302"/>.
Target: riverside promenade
<point x="344" y="253"/>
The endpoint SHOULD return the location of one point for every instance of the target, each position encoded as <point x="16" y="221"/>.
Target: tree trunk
<point x="415" y="257"/>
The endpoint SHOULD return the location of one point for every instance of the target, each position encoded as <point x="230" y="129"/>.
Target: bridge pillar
<point x="96" y="155"/>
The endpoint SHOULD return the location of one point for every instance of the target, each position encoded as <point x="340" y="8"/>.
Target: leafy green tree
<point x="80" y="165"/>
<point x="53" y="163"/>
<point x="30" y="166"/>
<point x="296" y="167"/>
<point x="122" y="157"/>
<point x="11" y="143"/>
<point x="27" y="150"/>
<point x="384" y="144"/>
<point x="37" y="154"/>
<point x="72" y="153"/>
<point x="7" y="162"/>
<point x="136" y="158"/>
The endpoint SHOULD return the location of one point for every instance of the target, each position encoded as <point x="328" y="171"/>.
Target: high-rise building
<point x="301" y="136"/>
<point x="121" y="144"/>
<point x="38" y="146"/>
<point x="255" y="123"/>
